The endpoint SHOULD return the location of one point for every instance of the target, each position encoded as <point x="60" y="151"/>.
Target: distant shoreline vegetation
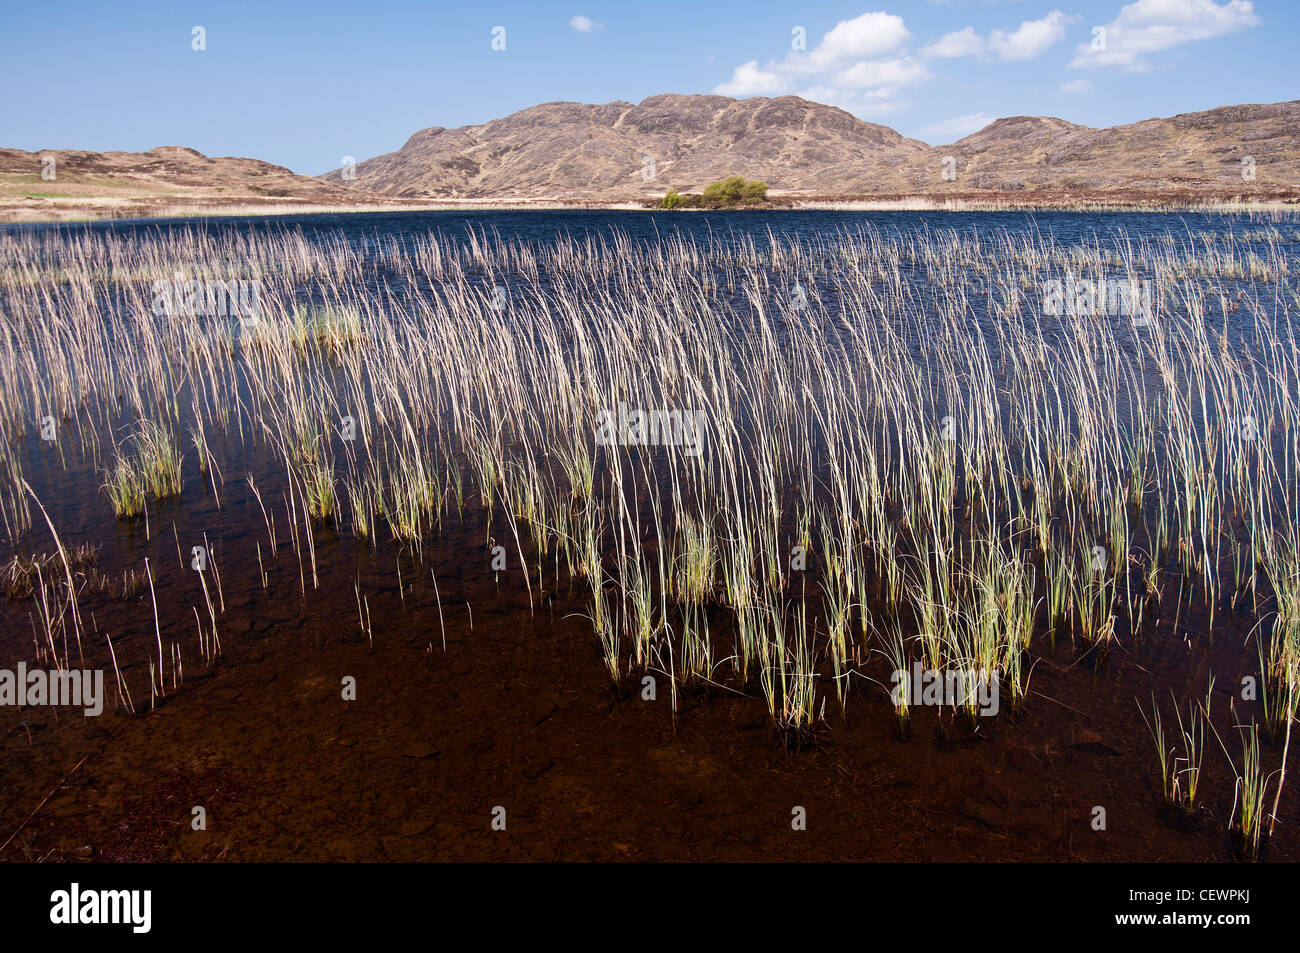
<point x="729" y="193"/>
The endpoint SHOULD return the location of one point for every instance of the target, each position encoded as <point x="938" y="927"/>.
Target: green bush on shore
<point x="673" y="199"/>
<point x="733" y="190"/>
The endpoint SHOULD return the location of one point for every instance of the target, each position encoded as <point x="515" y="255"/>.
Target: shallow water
<point x="318" y="589"/>
<point x="542" y="225"/>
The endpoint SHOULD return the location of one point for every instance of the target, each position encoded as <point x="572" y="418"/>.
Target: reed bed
<point x="886" y="451"/>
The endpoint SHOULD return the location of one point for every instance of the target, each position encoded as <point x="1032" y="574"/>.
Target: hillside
<point x="572" y="151"/>
<point x="161" y="181"/>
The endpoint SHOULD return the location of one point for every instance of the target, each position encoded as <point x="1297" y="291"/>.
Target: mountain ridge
<point x="621" y="151"/>
<point x="63" y="184"/>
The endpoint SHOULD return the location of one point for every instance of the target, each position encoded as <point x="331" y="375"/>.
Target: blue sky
<point x="305" y="84"/>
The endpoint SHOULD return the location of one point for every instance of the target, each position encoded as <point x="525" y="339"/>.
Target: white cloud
<point x="585" y="24"/>
<point x="1149" y="26"/>
<point x="748" y="79"/>
<point x="860" y="65"/>
<point x="1032" y="38"/>
<point x="865" y="36"/>
<point x="1076" y="87"/>
<point x="961" y="43"/>
<point x="950" y="130"/>
<point x="882" y="74"/>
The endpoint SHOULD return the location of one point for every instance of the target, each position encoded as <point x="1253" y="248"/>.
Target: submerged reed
<point x="905" y="462"/>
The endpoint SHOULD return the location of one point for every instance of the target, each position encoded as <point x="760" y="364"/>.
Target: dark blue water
<point x="541" y="226"/>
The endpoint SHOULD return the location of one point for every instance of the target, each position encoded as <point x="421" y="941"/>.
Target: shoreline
<point x="87" y="215"/>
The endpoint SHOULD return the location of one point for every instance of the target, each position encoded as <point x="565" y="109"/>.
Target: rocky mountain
<point x="624" y="152"/>
<point x="618" y="150"/>
<point x="59" y="183"/>
<point x="1205" y="151"/>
